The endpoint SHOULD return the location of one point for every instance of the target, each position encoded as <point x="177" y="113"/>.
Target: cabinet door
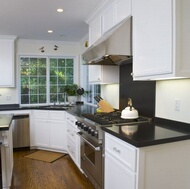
<point x="123" y="10"/>
<point x="152" y="38"/>
<point x="41" y="133"/>
<point x="116" y="175"/>
<point x="95" y="31"/>
<point x="6" y="157"/>
<point x="57" y="133"/>
<point x="95" y="73"/>
<point x="108" y="20"/>
<point x="7" y="63"/>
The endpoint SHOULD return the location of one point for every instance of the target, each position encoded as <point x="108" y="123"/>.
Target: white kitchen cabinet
<point x="7" y="61"/>
<point x="73" y="140"/>
<point x="123" y="10"/>
<point x="6" y="157"/>
<point x="116" y="175"/>
<point x="50" y="130"/>
<point x="99" y="74"/>
<point x="120" y="164"/>
<point x="163" y="166"/>
<point x="95" y="30"/>
<point x="107" y="16"/>
<point x="160" y="39"/>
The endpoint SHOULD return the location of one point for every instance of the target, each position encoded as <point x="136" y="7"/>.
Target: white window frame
<point x="75" y="75"/>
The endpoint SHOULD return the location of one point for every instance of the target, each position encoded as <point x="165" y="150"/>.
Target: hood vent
<point x="114" y="48"/>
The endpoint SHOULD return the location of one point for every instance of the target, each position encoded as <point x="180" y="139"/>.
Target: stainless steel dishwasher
<point x="21" y="131"/>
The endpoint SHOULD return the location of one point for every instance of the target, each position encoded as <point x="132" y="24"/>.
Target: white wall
<point x="167" y="92"/>
<point x="111" y="94"/>
<point x="31" y="47"/>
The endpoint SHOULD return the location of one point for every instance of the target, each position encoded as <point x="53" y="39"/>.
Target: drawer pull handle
<point x="116" y="150"/>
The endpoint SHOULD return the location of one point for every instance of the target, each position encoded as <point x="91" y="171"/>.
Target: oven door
<point x="91" y="160"/>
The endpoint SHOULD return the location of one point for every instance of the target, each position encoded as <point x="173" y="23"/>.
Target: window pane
<point x="61" y="63"/>
<point x="69" y="72"/>
<point x="53" y="98"/>
<point x="42" y="98"/>
<point x="24" y="99"/>
<point x="24" y="90"/>
<point x="69" y="63"/>
<point x="25" y="71"/>
<point x="42" y="90"/>
<point x="53" y="63"/>
<point x="42" y="71"/>
<point x="53" y="89"/>
<point x="33" y="99"/>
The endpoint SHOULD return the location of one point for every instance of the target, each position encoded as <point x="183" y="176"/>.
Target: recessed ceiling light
<point x="59" y="10"/>
<point x="50" y="31"/>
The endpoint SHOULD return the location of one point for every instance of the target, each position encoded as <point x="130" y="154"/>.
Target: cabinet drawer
<point x="121" y="150"/>
<point x="71" y="119"/>
<point x="57" y="115"/>
<point x="41" y="114"/>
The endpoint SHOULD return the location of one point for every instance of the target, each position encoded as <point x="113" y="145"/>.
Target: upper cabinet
<point x="7" y="61"/>
<point x="95" y="30"/>
<point x="107" y="16"/>
<point x="103" y="74"/>
<point x="161" y="42"/>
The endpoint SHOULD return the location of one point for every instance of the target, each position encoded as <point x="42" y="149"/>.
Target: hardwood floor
<point x="33" y="174"/>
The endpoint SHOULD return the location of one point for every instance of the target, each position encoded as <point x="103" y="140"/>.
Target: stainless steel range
<point x="90" y="126"/>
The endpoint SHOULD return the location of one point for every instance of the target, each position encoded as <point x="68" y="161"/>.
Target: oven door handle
<point x="96" y="148"/>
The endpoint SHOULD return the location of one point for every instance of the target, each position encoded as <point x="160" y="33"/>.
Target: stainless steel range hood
<point x="114" y="48"/>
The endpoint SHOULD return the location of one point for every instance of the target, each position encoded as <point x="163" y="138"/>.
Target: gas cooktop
<point x="112" y="118"/>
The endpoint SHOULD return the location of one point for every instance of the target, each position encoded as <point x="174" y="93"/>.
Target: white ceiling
<point x="31" y="19"/>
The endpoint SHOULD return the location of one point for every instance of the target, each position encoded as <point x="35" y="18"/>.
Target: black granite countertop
<point x="5" y="121"/>
<point x="159" y="131"/>
<point x="74" y="109"/>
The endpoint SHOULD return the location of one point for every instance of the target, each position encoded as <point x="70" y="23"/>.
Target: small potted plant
<point x="71" y="91"/>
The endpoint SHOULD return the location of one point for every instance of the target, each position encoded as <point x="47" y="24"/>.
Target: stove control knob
<point x="96" y="134"/>
<point x="85" y="127"/>
<point x="78" y="123"/>
<point x="92" y="132"/>
<point x="89" y="130"/>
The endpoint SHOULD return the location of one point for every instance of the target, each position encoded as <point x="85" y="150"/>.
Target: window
<point x="93" y="89"/>
<point x="42" y="79"/>
<point x="60" y="74"/>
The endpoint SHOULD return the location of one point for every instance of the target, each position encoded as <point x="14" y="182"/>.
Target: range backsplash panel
<point x="142" y="93"/>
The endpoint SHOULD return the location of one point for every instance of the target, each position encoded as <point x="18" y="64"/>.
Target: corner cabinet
<point x="50" y="130"/>
<point x="99" y="74"/>
<point x="7" y="61"/>
<point x="163" y="166"/>
<point x="160" y="39"/>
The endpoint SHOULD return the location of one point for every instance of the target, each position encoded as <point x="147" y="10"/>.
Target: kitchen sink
<point x="62" y="107"/>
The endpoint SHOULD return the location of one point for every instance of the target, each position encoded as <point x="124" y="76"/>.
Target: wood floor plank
<point x="34" y="174"/>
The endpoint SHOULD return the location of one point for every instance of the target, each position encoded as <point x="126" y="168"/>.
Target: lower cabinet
<point x="6" y="157"/>
<point x="123" y="177"/>
<point x="119" y="165"/>
<point x="163" y="166"/>
<point x="73" y="140"/>
<point x="50" y="130"/>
